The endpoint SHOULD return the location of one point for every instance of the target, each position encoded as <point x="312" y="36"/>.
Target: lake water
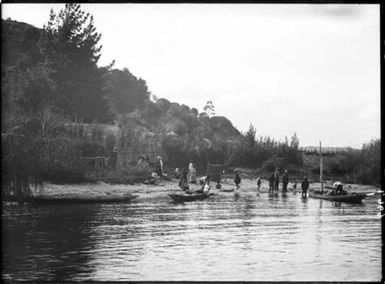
<point x="228" y="236"/>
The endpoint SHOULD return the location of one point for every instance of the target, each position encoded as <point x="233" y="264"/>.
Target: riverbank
<point x="166" y="187"/>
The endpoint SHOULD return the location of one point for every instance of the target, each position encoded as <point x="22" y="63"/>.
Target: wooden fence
<point x="130" y="158"/>
<point x="96" y="164"/>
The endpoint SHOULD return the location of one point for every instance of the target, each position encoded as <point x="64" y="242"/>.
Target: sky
<point x="313" y="69"/>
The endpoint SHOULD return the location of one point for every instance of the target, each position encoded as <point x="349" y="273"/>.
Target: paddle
<point x="370" y="194"/>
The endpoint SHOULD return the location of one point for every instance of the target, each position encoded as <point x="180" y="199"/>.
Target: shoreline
<point x="163" y="188"/>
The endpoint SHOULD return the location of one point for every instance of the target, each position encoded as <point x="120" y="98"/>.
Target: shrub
<point x="335" y="166"/>
<point x="273" y="163"/>
<point x="180" y="127"/>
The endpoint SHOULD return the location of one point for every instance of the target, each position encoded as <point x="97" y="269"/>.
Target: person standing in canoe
<point x="183" y="182"/>
<point x="192" y="173"/>
<point x="305" y="187"/>
<point x="285" y="181"/>
<point x="271" y="182"/>
<point x="237" y="180"/>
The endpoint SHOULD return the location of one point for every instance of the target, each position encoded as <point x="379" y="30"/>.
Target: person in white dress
<point x="192" y="173"/>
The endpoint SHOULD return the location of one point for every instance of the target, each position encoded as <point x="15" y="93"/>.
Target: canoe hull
<point x="349" y="198"/>
<point x="187" y="198"/>
<point x="227" y="190"/>
<point x="43" y="200"/>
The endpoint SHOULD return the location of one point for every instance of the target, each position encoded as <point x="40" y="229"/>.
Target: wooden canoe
<point x="227" y="190"/>
<point x="57" y="199"/>
<point x="349" y="198"/>
<point x="188" y="197"/>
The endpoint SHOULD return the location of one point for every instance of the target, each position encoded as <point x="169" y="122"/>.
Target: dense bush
<point x="175" y="110"/>
<point x="275" y="162"/>
<point x="163" y="104"/>
<point x="335" y="166"/>
<point x="179" y="127"/>
<point x="152" y="110"/>
<point x="92" y="149"/>
<point x="368" y="170"/>
<point x="246" y="150"/>
<point x="175" y="150"/>
<point x="63" y="173"/>
<point x="269" y="166"/>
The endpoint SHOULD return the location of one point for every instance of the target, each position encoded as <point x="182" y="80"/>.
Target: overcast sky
<point x="310" y="69"/>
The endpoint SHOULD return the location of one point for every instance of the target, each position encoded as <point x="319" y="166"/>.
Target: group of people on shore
<point x="143" y="165"/>
<point x="187" y="176"/>
<point x="274" y="181"/>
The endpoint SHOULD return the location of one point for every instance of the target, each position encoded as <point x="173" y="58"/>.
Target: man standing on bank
<point x="259" y="180"/>
<point x="237" y="180"/>
<point x="285" y="181"/>
<point x="271" y="182"/>
<point x="305" y="187"/>
<point x="159" y="166"/>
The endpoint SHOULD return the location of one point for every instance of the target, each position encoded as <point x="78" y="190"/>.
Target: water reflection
<point x="237" y="195"/>
<point x="48" y="241"/>
<point x="243" y="237"/>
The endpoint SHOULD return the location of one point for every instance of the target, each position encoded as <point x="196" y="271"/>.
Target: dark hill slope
<point x="19" y="44"/>
<point x="20" y="50"/>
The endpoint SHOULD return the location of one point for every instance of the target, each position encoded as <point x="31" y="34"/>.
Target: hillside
<point x="62" y="115"/>
<point x="19" y="44"/>
<point x="20" y="50"/>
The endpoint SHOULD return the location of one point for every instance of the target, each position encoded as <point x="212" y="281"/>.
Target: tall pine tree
<point x="70" y="47"/>
<point x="126" y="92"/>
